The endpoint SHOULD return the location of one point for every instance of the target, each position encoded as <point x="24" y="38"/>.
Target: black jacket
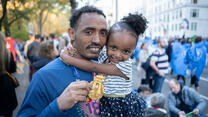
<point x="8" y="99"/>
<point x="151" y="112"/>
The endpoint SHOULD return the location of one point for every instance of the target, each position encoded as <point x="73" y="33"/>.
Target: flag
<point x="178" y="59"/>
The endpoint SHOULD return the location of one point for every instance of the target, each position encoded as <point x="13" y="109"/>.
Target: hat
<point x="31" y="33"/>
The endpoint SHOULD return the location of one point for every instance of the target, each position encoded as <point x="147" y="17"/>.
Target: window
<point x="160" y="8"/>
<point x="155" y="9"/>
<point x="173" y="16"/>
<point x="176" y="14"/>
<point x="180" y="13"/>
<point x="193" y="26"/>
<point x="168" y="4"/>
<point x="168" y="18"/>
<point x="179" y="26"/>
<point x="172" y="27"/>
<point x="176" y="27"/>
<point x="194" y="13"/>
<point x="194" y="1"/>
<point x="164" y="19"/>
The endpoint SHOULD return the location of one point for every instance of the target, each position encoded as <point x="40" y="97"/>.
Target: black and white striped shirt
<point x="161" y="59"/>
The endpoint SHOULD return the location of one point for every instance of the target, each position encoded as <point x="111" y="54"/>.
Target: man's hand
<point x="75" y="92"/>
<point x="181" y="114"/>
<point x="161" y="74"/>
<point x="196" y="111"/>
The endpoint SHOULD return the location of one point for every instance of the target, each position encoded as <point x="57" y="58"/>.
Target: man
<point x="182" y="100"/>
<point x="28" y="42"/>
<point x="33" y="48"/>
<point x="60" y="90"/>
<point x="13" y="47"/>
<point x="32" y="53"/>
<point x="159" y="63"/>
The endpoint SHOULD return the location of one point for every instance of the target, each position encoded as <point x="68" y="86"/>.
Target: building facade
<point x="176" y="18"/>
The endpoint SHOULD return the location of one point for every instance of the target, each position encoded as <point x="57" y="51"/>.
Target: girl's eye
<point x="113" y="48"/>
<point x="126" y="51"/>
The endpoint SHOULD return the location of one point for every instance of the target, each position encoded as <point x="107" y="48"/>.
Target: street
<point x="23" y="74"/>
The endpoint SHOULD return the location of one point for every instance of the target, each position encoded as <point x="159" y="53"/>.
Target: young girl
<point x="118" y="100"/>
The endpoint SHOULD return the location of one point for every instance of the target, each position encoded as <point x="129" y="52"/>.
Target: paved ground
<point x="23" y="74"/>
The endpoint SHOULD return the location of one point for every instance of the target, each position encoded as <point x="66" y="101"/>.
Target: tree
<point x="45" y="7"/>
<point x="73" y="5"/>
<point x="4" y="11"/>
<point x="38" y="10"/>
<point x="13" y="11"/>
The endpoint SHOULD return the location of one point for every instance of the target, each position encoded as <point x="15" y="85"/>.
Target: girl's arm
<point x="91" y="66"/>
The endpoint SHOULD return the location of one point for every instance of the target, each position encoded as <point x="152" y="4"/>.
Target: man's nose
<point x="96" y="38"/>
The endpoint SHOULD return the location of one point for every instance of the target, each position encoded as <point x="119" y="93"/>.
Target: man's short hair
<point x="52" y="35"/>
<point x="37" y="36"/>
<point x="143" y="88"/>
<point x="86" y="9"/>
<point x="158" y="100"/>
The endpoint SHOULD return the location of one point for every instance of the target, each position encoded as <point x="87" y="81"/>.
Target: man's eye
<point x="88" y="32"/>
<point x="103" y="33"/>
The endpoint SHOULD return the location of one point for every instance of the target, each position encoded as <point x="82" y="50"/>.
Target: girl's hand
<point x="65" y="56"/>
<point x="71" y="51"/>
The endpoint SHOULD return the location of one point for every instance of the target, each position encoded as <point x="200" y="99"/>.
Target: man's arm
<point x="201" y="104"/>
<point x="172" y="104"/>
<point x="18" y="52"/>
<point x="153" y="65"/>
<point x="91" y="66"/>
<point x="37" y="100"/>
<point x="153" y="60"/>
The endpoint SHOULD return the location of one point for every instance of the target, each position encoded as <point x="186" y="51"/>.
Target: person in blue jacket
<point x="59" y="90"/>
<point x="196" y="58"/>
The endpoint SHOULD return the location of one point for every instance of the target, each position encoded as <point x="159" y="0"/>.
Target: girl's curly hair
<point x="136" y="24"/>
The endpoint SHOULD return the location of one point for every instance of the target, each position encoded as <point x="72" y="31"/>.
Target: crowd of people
<point x="36" y="52"/>
<point x="61" y="70"/>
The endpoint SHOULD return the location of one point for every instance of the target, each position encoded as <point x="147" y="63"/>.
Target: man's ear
<point x="71" y="33"/>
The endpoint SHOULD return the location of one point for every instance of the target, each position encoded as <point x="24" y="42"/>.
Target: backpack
<point x="146" y="64"/>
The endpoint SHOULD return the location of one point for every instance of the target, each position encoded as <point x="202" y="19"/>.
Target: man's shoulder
<point x="56" y="65"/>
<point x="188" y="89"/>
<point x="55" y="70"/>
